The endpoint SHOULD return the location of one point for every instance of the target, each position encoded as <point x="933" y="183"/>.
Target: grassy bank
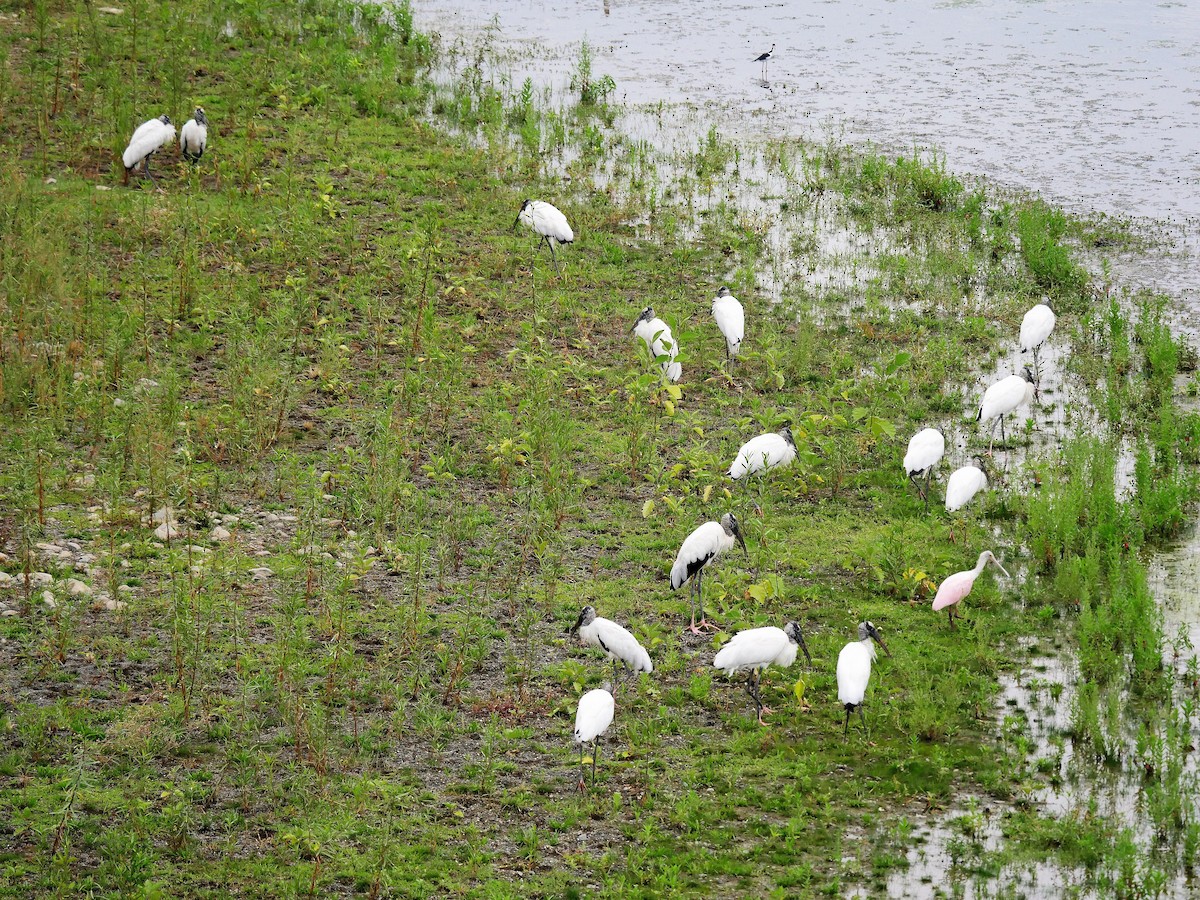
<point x="429" y="450"/>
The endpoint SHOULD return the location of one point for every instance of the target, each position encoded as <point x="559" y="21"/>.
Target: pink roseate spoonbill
<point x="925" y="450"/>
<point x="757" y="648"/>
<point x="854" y="671"/>
<point x="1035" y="328"/>
<point x="548" y="222"/>
<point x="595" y="714"/>
<point x="659" y="341"/>
<point x="731" y="319"/>
<point x="767" y="451"/>
<point x="700" y="548"/>
<point x="958" y="585"/>
<point x="616" y="642"/>
<point x="1002" y="398"/>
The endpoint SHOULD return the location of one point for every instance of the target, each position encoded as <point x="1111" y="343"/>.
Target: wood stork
<point x="659" y="341"/>
<point x="854" y="671"/>
<point x="147" y="139"/>
<point x="1035" y="328"/>
<point x="958" y="585"/>
<point x="757" y="648"/>
<point x="764" y="58"/>
<point x="767" y="451"/>
<point x="592" y="719"/>
<point x="925" y="450"/>
<point x="548" y="222"/>
<point x="731" y="319"/>
<point x="699" y="549"/>
<point x="617" y="643"/>
<point x="193" y="137"/>
<point x="1002" y="398"/>
<point x="963" y="484"/>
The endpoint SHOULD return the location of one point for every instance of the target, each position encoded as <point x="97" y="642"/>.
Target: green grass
<point x="327" y="339"/>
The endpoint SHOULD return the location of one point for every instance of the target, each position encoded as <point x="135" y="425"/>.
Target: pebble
<point x="126" y="588"/>
<point x="51" y="180"/>
<point x="36" y="579"/>
<point x="48" y="599"/>
<point x="103" y="187"/>
<point x="261" y="573"/>
<point x="113" y="605"/>
<point x="166" y="531"/>
<point x="7" y="613"/>
<point x="77" y="588"/>
<point x="5" y="578"/>
<point x="117" y="401"/>
<point x="164" y="514"/>
<point x="219" y="534"/>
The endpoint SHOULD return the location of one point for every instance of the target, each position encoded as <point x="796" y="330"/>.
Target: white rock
<point x="77" y="588"/>
<point x="48" y="599"/>
<point x="261" y="573"/>
<point x="126" y="588"/>
<point x="103" y="187"/>
<point x="230" y="519"/>
<point x="164" y="514"/>
<point x="36" y="579"/>
<point x="7" y="613"/>
<point x="113" y="605"/>
<point x="166" y="531"/>
<point x="51" y="180"/>
<point x="5" y="578"/>
<point x="219" y="534"/>
<point x="117" y="401"/>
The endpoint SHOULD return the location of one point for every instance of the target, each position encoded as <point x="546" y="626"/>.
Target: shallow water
<point x="1095" y="104"/>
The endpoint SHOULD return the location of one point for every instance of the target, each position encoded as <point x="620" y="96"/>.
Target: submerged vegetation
<point x="308" y="460"/>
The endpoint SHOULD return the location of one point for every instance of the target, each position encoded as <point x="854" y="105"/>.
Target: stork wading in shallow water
<point x="147" y="139"/>
<point x="757" y="648"/>
<point x="1002" y="398"/>
<point x="616" y="642"/>
<point x="700" y="548"/>
<point x="767" y="451"/>
<point x="1035" y="329"/>
<point x="595" y="714"/>
<point x="765" y="58"/>
<point x="731" y="320"/>
<point x="659" y="341"/>
<point x="958" y="585"/>
<point x="548" y="223"/>
<point x="193" y="137"/>
<point x="854" y="672"/>
<point x="925" y="450"/>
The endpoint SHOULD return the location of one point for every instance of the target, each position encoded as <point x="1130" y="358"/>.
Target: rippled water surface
<point x="1095" y="104"/>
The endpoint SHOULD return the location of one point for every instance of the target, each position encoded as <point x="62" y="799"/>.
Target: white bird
<point x="548" y="222"/>
<point x="1002" y="398"/>
<point x="925" y="450"/>
<point x="731" y="319"/>
<point x="193" y="137"/>
<point x="767" y="451"/>
<point x="616" y="642"/>
<point x="854" y="671"/>
<point x="659" y="341"/>
<point x="1035" y="328"/>
<point x="592" y="719"/>
<point x="964" y="484"/>
<point x="764" y="58"/>
<point x="699" y="549"/>
<point x="757" y="648"/>
<point x="147" y="139"/>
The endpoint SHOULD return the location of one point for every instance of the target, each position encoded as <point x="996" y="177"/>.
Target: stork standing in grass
<point x="148" y="139"/>
<point x="595" y="714"/>
<point x="659" y="341"/>
<point x="757" y="648"/>
<point x="854" y="671"/>
<point x="548" y="222"/>
<point x="1035" y="329"/>
<point x="925" y="450"/>
<point x="731" y="319"/>
<point x="767" y="451"/>
<point x="962" y="485"/>
<point x="1004" y="397"/>
<point x="958" y="585"/>
<point x="700" y="548"/>
<point x="616" y="642"/>
<point x="193" y="137"/>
